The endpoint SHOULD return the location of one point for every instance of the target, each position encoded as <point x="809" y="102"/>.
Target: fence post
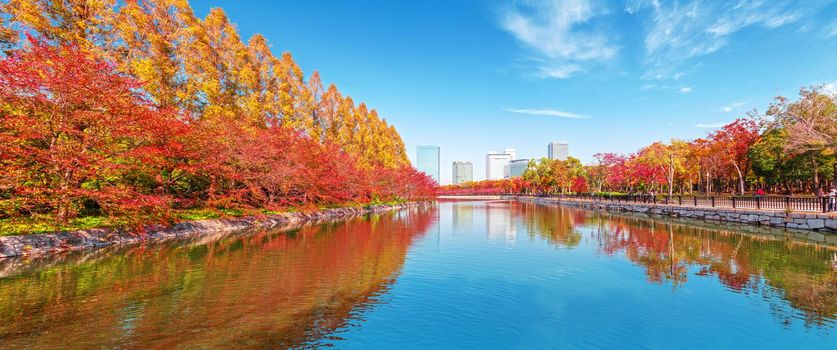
<point x="824" y="204"/>
<point x="713" y="201"/>
<point x="733" y="202"/>
<point x="787" y="202"/>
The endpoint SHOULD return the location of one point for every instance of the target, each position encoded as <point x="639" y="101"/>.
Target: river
<point x="461" y="274"/>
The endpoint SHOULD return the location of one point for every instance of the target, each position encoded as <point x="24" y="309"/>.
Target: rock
<point x="815" y="224"/>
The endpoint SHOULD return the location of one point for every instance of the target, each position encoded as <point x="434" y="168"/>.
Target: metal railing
<point x="810" y="204"/>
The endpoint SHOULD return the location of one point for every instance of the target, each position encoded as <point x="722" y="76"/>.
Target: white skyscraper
<point x="463" y="171"/>
<point x="512" y="152"/>
<point x="496" y="165"/>
<point x="559" y="150"/>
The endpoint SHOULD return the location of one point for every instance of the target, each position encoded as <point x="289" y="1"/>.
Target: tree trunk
<point x="834" y="177"/>
<point x="740" y="179"/>
<point x="670" y="175"/>
<point x="816" y="186"/>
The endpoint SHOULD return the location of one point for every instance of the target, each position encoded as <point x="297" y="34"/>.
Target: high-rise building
<point x="512" y="152"/>
<point x="497" y="165"/>
<point x="517" y="167"/>
<point x="427" y="161"/>
<point x="559" y="150"/>
<point x="463" y="171"/>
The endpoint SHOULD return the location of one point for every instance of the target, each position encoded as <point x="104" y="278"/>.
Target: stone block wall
<point x="825" y="225"/>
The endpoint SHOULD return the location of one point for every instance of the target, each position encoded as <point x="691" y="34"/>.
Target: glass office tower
<point x="427" y="159"/>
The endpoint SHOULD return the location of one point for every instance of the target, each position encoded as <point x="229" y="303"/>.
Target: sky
<point x="476" y="76"/>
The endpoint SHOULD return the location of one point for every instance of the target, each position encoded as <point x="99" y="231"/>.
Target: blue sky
<point x="607" y="76"/>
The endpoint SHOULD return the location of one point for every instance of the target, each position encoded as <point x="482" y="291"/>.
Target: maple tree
<point x="63" y="142"/>
<point x="732" y="143"/>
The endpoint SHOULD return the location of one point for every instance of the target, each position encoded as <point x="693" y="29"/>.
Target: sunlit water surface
<point x="479" y="275"/>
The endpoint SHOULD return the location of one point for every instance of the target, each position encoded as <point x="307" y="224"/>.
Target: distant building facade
<point x="497" y="165"/>
<point x="427" y="161"/>
<point x="558" y="150"/>
<point x="517" y="167"/>
<point x="463" y="171"/>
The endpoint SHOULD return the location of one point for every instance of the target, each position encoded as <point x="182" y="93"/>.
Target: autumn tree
<point x="154" y="41"/>
<point x="136" y="104"/>
<point x="64" y="143"/>
<point x="811" y="123"/>
<point x="87" y="24"/>
<point x="733" y="142"/>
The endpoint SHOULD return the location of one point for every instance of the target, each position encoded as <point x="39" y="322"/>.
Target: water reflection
<point x="458" y="275"/>
<point x="776" y="268"/>
<point x="268" y="289"/>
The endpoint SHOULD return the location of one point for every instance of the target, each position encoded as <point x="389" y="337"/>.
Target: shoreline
<point x="53" y="243"/>
<point x="813" y="226"/>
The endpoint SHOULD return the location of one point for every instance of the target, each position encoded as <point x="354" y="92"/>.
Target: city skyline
<point x="501" y="164"/>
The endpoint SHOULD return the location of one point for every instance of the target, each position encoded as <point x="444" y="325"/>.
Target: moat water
<point x="459" y="275"/>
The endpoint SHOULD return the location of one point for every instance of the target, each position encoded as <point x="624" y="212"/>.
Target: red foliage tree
<point x="73" y="129"/>
<point x="732" y="144"/>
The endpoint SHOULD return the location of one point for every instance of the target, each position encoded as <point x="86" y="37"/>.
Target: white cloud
<point x="547" y="112"/>
<point x="735" y="106"/>
<point x="560" y="72"/>
<point x="681" y="30"/>
<point x="559" y="34"/>
<point x="710" y="125"/>
<point x="830" y="88"/>
<point x="563" y="38"/>
<point x="686" y="90"/>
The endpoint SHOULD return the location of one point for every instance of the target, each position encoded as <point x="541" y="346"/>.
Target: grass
<point x="39" y="224"/>
<point x="46" y="224"/>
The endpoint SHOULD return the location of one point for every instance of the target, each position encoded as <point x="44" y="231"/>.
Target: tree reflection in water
<point x="799" y="272"/>
<point x="308" y="286"/>
<point x="270" y="289"/>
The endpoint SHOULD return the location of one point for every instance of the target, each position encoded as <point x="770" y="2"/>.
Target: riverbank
<point x="39" y="244"/>
<point x="820" y="227"/>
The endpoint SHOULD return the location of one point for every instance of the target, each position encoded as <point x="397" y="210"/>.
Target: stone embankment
<point x="819" y="222"/>
<point x="472" y="197"/>
<point x="40" y="244"/>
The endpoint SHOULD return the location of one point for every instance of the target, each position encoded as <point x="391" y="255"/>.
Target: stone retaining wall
<point x="471" y="197"/>
<point x="825" y="223"/>
<point x="39" y="244"/>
